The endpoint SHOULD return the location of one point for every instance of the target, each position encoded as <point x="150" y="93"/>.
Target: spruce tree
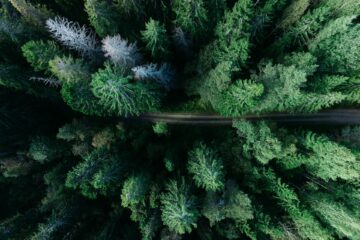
<point x="206" y="168"/>
<point x="172" y="119"/>
<point x="179" y="211"/>
<point x="121" y="97"/>
<point x="39" y="54"/>
<point x="102" y="16"/>
<point x="157" y="42"/>
<point x="191" y="15"/>
<point x="36" y="15"/>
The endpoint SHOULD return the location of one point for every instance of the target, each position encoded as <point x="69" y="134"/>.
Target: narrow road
<point x="330" y="117"/>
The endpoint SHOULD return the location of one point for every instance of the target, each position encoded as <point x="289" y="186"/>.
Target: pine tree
<point x="293" y="13"/>
<point x="336" y="215"/>
<point x="16" y="166"/>
<point x="17" y="78"/>
<point x="39" y="53"/>
<point x="231" y="204"/>
<point x="328" y="83"/>
<point x="214" y="84"/>
<point x="303" y="61"/>
<point x="43" y="149"/>
<point x="326" y="159"/>
<point x="179" y="211"/>
<point x="161" y="128"/>
<point x="99" y="173"/>
<point x="351" y="89"/>
<point x="301" y="33"/>
<point x="80" y="97"/>
<point x="259" y="141"/>
<point x="70" y="70"/>
<point x="182" y="41"/>
<point x="14" y="28"/>
<point x="349" y="135"/>
<point x="233" y="46"/>
<point x="78" y="161"/>
<point x="19" y="225"/>
<point x="305" y="223"/>
<point x="130" y="6"/>
<point x="51" y="228"/>
<point x="156" y="40"/>
<point x="118" y="95"/>
<point x="338" y="58"/>
<point x="332" y="28"/>
<point x="285" y="83"/>
<point x="240" y="98"/>
<point x="191" y="16"/>
<point x="206" y="168"/>
<point x="134" y="190"/>
<point x="35" y="15"/>
<point x="347" y="8"/>
<point x="103" y="17"/>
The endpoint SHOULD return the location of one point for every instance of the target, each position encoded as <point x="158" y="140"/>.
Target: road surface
<point x="330" y="117"/>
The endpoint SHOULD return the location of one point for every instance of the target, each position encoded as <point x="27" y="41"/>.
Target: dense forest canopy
<point x="71" y="71"/>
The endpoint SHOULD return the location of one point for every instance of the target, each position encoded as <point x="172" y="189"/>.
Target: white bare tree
<point x="120" y="52"/>
<point x="74" y="36"/>
<point x="162" y="75"/>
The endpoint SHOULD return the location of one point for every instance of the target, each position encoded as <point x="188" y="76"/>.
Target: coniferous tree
<point x="336" y="215"/>
<point x="191" y="15"/>
<point x="39" y="54"/>
<point x="206" y="168"/>
<point x="121" y="97"/>
<point x="157" y="42"/>
<point x="102" y="16"/>
<point x="77" y="160"/>
<point x="162" y="75"/>
<point x="35" y="15"/>
<point x="74" y="36"/>
<point x="120" y="52"/>
<point x="179" y="211"/>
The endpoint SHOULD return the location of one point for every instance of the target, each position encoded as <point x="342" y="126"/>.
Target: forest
<point x="145" y="119"/>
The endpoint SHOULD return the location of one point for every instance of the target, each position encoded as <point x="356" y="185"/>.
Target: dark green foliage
<point x="102" y="16"/>
<point x="179" y="211"/>
<point x="69" y="70"/>
<point x="36" y="15"/>
<point x="134" y="190"/>
<point x="156" y="40"/>
<point x="98" y="173"/>
<point x="241" y="97"/>
<point x="161" y="128"/>
<point x="91" y="145"/>
<point x="285" y="83"/>
<point x="17" y="78"/>
<point x="232" y="203"/>
<point x="234" y="45"/>
<point x="39" y="53"/>
<point x="255" y="136"/>
<point x="328" y="160"/>
<point x="80" y="98"/>
<point x="338" y="216"/>
<point x="118" y="95"/>
<point x="305" y="223"/>
<point x="206" y="168"/>
<point x="293" y="13"/>
<point x="339" y="59"/>
<point x="45" y="150"/>
<point x="191" y="15"/>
